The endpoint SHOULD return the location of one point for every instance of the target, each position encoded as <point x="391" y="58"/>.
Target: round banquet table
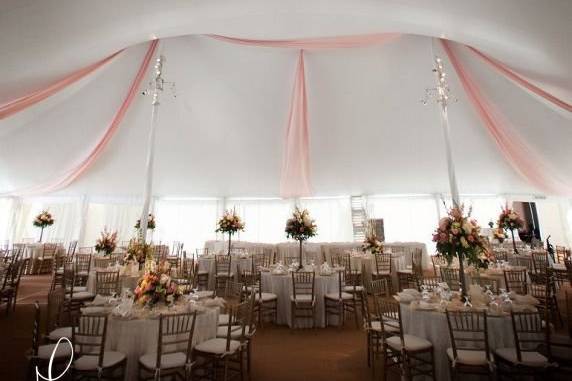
<point x="34" y="251"/>
<point x="281" y="285"/>
<point x="207" y="263"/>
<point x="125" y="281"/>
<point x="137" y="337"/>
<point x="432" y="325"/>
<point x="366" y="264"/>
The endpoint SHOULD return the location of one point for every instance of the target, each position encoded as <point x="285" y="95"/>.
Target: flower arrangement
<point x="138" y="251"/>
<point x="43" y="220"/>
<point x="150" y="222"/>
<point x="510" y="220"/>
<point x="499" y="234"/>
<point x="230" y="223"/>
<point x="107" y="242"/>
<point x="301" y="226"/>
<point x="156" y="287"/>
<point x="371" y="243"/>
<point x="457" y="234"/>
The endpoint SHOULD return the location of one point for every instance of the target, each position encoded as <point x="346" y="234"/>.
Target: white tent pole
<point x="450" y="164"/>
<point x="157" y="88"/>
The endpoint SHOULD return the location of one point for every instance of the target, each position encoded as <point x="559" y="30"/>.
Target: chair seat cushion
<point x="58" y="333"/>
<point x="225" y="275"/>
<point x="412" y="343"/>
<point x="266" y="297"/>
<point x="304" y="298"/>
<point x="82" y="273"/>
<point x="79" y="288"/>
<point x="217" y="346"/>
<point x="351" y="288"/>
<point x="170" y="360"/>
<point x="203" y="272"/>
<point x="376" y="326"/>
<point x="45" y="351"/>
<point x="81" y="295"/>
<point x="90" y="362"/>
<point x="475" y="358"/>
<point x="381" y="273"/>
<point x="235" y="331"/>
<point x="336" y="296"/>
<point x="528" y="358"/>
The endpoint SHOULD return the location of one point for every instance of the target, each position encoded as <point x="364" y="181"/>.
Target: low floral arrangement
<point x="138" y="251"/>
<point x="230" y="223"/>
<point x="157" y="287"/>
<point x="509" y="220"/>
<point x="301" y="226"/>
<point x="458" y="234"/>
<point x="150" y="222"/>
<point x="107" y="242"/>
<point x="43" y="219"/>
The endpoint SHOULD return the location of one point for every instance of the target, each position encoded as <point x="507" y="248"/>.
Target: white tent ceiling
<point x="223" y="133"/>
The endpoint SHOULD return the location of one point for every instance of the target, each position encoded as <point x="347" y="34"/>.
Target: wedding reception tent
<point x="359" y="112"/>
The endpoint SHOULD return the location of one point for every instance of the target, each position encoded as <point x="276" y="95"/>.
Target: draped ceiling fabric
<point x="224" y="133"/>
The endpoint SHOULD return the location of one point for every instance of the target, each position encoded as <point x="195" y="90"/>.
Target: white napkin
<point x="99" y="300"/>
<point x="325" y="269"/>
<point x="216" y="302"/>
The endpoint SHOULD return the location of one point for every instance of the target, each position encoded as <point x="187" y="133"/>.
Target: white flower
<point x="164" y="278"/>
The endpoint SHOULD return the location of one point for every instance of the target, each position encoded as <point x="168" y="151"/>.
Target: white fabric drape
<point x="7" y="205"/>
<point x="265" y="219"/>
<point x="119" y="215"/>
<point x="189" y="221"/>
<point x="555" y="219"/>
<point x="333" y="217"/>
<point x="66" y="212"/>
<point x="406" y="219"/>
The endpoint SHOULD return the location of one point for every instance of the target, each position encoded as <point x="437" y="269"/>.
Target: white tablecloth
<point x="137" y="337"/>
<point x="432" y="325"/>
<point x="281" y="285"/>
<point x="317" y="250"/>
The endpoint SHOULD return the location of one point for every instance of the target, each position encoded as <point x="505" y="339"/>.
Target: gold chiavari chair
<point x="186" y="276"/>
<point x="71" y="248"/>
<point x="44" y="263"/>
<point x="223" y="271"/>
<point x="174" y="355"/>
<point x="515" y="280"/>
<point x="202" y="275"/>
<point x="269" y="256"/>
<point x="58" y="271"/>
<point x="568" y="265"/>
<point x="75" y="295"/>
<point x="85" y="250"/>
<point x="43" y="356"/>
<point x="523" y="358"/>
<point x="539" y="263"/>
<point x="101" y="262"/>
<point x="233" y="292"/>
<point x="11" y="283"/>
<point x="289" y="260"/>
<point x="407" y="279"/>
<point x="501" y="254"/>
<point x="470" y="351"/>
<point x="545" y="292"/>
<point x="451" y="276"/>
<point x="430" y="282"/>
<point x="522" y="261"/>
<point x="338" y="303"/>
<point x="382" y="268"/>
<point x="107" y="283"/>
<point x="417" y="261"/>
<point x="379" y="287"/>
<point x="91" y="358"/>
<point x="438" y="261"/>
<point x="561" y="253"/>
<point x="484" y="282"/>
<point x="228" y="350"/>
<point x="373" y="336"/>
<point x="413" y="354"/>
<point x="55" y="323"/>
<point x="83" y="265"/>
<point x="266" y="302"/>
<point x="303" y="298"/>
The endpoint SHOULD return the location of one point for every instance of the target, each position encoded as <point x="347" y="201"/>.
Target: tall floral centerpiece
<point x="301" y="227"/>
<point x="43" y="220"/>
<point x="510" y="220"/>
<point x="157" y="287"/>
<point x="230" y="223"/>
<point x="107" y="242"/>
<point x="371" y="243"/>
<point x="459" y="236"/>
<point x="138" y="251"/>
<point x="150" y="223"/>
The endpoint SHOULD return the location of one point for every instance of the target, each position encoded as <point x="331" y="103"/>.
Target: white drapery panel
<point x="117" y="215"/>
<point x="189" y="221"/>
<point x="406" y="219"/>
<point x="555" y="220"/>
<point x="66" y="212"/>
<point x="333" y="216"/>
<point x="265" y="218"/>
<point x="7" y="205"/>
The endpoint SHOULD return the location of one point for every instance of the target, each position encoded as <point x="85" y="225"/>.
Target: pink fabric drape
<point x="315" y="43"/>
<point x="519" y="155"/>
<point x="26" y="101"/>
<point x="295" y="179"/>
<point x="75" y="172"/>
<point x="506" y="71"/>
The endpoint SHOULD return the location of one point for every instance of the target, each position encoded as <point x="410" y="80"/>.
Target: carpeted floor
<point x="278" y="353"/>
